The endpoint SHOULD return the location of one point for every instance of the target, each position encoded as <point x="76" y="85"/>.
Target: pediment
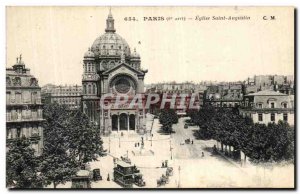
<point x="123" y="67"/>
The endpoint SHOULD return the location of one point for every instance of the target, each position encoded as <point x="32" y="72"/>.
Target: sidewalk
<point x="231" y="161"/>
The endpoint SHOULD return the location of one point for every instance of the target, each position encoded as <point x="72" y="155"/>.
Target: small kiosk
<point x="82" y="180"/>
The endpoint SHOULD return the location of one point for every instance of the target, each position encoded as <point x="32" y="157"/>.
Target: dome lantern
<point x="110" y="44"/>
<point x="110" y="23"/>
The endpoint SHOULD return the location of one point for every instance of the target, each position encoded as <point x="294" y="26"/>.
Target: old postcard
<point x="150" y="97"/>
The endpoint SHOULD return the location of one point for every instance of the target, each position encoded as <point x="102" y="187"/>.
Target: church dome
<point x="110" y="44"/>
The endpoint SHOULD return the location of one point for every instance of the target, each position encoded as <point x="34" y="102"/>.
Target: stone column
<point x="136" y="121"/>
<point x="101" y="122"/>
<point x="128" y="122"/>
<point x="118" y="122"/>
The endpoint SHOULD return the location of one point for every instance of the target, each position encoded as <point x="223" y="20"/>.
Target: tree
<point x="22" y="165"/>
<point x="290" y="152"/>
<point x="70" y="140"/>
<point x="261" y="143"/>
<point x="85" y="142"/>
<point x="57" y="165"/>
<point x="268" y="143"/>
<point x="167" y="118"/>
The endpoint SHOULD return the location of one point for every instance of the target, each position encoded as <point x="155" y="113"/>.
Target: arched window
<point x="84" y="89"/>
<point x="94" y="89"/>
<point x="89" y="89"/>
<point x="89" y="67"/>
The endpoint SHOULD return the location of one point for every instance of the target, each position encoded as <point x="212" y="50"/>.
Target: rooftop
<point x="123" y="164"/>
<point x="267" y="93"/>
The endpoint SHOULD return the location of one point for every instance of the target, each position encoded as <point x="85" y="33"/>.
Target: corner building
<point x="24" y="110"/>
<point x="111" y="68"/>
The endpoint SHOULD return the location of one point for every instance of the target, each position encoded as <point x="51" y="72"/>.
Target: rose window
<point x="122" y="85"/>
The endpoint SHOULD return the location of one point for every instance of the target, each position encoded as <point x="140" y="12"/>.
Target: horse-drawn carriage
<point x="187" y="141"/>
<point x="96" y="175"/>
<point x="126" y="159"/>
<point x="139" y="181"/>
<point x="162" y="180"/>
<point x="169" y="171"/>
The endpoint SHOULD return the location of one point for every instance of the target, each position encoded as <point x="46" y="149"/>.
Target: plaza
<point x="191" y="170"/>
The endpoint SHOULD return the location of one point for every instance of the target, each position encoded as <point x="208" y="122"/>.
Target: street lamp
<point x="109" y="144"/>
<point x="171" y="149"/>
<point x="179" y="177"/>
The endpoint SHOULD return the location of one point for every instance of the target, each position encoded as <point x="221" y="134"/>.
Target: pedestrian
<point x="215" y="149"/>
<point x="192" y="141"/>
<point x="108" y="179"/>
<point x="134" y="144"/>
<point x="138" y="144"/>
<point x="162" y="164"/>
<point x="202" y="154"/>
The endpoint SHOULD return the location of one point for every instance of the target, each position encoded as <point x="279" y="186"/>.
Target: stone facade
<point x="24" y="110"/>
<point x="69" y="95"/>
<point x="224" y="95"/>
<point x="110" y="68"/>
<point x="171" y="89"/>
<point x="269" y="106"/>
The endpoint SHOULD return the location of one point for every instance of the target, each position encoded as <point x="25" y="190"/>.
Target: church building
<point x="111" y="68"/>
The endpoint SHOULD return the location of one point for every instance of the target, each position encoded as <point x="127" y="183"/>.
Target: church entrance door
<point x="114" y="122"/>
<point x="132" y="122"/>
<point x="123" y="121"/>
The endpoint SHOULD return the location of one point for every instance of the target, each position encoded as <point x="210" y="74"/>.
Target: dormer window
<point x="284" y="105"/>
<point x="272" y="105"/>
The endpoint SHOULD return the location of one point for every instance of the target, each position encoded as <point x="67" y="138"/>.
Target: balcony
<point x="33" y="138"/>
<point x="24" y="120"/>
<point x="267" y="110"/>
<point x="23" y="104"/>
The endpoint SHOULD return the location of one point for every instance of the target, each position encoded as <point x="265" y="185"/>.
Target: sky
<point x="53" y="40"/>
